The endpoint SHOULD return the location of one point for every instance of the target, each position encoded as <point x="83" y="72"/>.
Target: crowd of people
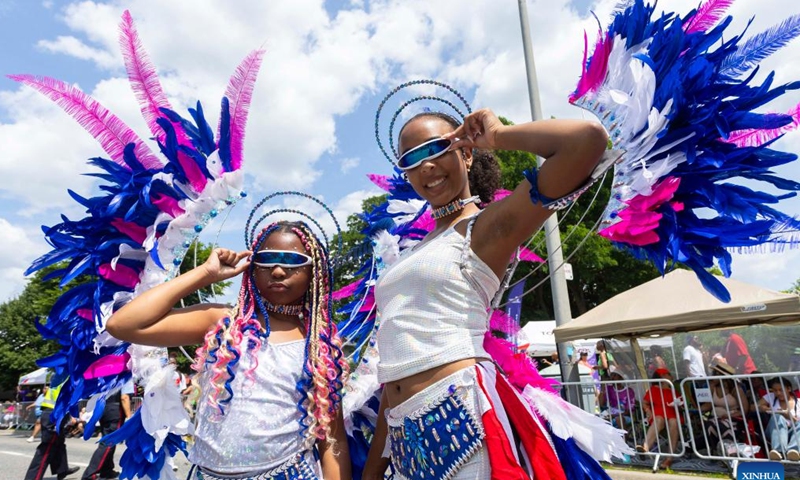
<point x="733" y="407"/>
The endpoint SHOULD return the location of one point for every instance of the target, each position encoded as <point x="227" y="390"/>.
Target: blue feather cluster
<point x="119" y="216"/>
<point x="711" y="84"/>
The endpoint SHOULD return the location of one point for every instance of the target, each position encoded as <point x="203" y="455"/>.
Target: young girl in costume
<point x="679" y="103"/>
<point x="271" y="367"/>
<point x="439" y="381"/>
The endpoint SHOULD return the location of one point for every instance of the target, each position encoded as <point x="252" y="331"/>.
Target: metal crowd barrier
<point x="732" y="427"/>
<point x="623" y="404"/>
<point x="726" y="431"/>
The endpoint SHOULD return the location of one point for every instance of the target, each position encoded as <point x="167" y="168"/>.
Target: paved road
<point x="16" y="455"/>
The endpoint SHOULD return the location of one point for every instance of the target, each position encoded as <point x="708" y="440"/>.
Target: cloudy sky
<point x="327" y="66"/>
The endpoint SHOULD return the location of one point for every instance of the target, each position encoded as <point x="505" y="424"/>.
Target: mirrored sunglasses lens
<point x="280" y="258"/>
<point x="417" y="155"/>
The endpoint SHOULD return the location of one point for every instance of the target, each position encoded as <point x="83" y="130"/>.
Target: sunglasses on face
<point x="281" y="258"/>
<point x="427" y="151"/>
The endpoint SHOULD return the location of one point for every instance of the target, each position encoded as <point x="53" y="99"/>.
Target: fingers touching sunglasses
<point x="426" y="151"/>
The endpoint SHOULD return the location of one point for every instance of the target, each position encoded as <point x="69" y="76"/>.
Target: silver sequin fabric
<point x="259" y="429"/>
<point x="433" y="304"/>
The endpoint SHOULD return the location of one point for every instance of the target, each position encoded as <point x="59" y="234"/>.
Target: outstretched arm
<point x="572" y="149"/>
<point x="149" y="319"/>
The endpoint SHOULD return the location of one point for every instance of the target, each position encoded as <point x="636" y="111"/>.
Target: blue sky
<point x="328" y="64"/>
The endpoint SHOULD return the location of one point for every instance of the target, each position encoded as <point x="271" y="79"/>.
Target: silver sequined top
<point x="260" y="428"/>
<point x="433" y="304"/>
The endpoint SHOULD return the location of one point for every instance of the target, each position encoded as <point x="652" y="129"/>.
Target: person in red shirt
<point x="660" y="405"/>
<point x="737" y="355"/>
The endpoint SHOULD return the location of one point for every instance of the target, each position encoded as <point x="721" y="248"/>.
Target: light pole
<point x="555" y="257"/>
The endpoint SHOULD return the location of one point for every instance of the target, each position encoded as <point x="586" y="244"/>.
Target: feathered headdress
<point x="681" y="100"/>
<point x="135" y="234"/>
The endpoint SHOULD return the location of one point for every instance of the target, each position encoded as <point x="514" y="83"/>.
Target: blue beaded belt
<point x="297" y="468"/>
<point x="434" y="444"/>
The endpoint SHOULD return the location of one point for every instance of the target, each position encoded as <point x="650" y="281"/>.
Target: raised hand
<point x="223" y="264"/>
<point x="479" y="130"/>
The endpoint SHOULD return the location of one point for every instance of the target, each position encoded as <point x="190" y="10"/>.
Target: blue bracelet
<point x="532" y="175"/>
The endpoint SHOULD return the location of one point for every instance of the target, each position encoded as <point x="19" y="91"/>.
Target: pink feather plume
<point x="239" y="94"/>
<point x="594" y="71"/>
<point x="708" y="14"/>
<point x="381" y="181"/>
<point x="144" y="80"/>
<point x="106" y="127"/>
<point x="756" y="137"/>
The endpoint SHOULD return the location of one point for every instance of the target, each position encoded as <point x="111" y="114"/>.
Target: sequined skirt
<point x="438" y="434"/>
<point x="302" y="466"/>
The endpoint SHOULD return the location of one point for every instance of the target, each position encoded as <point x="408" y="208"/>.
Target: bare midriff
<point x="401" y="390"/>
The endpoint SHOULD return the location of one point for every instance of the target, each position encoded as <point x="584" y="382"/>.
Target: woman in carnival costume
<point x="272" y="368"/>
<point x="677" y="102"/>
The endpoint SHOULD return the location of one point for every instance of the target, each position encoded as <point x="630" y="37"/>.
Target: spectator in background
<point x="783" y="429"/>
<point x="52" y="450"/>
<point x="727" y="410"/>
<point x="9" y="412"/>
<point x="617" y="399"/>
<point x="656" y="360"/>
<point x="584" y="359"/>
<point x="37" y="406"/>
<point x="116" y="411"/>
<point x="715" y="356"/>
<point x="737" y="355"/>
<point x="693" y="358"/>
<point x="605" y="360"/>
<point x="660" y="406"/>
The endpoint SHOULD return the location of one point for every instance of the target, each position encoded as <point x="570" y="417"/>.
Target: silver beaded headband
<point x="394" y="156"/>
<point x="251" y="226"/>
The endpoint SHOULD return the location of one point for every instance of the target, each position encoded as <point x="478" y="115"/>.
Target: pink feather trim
<point x="707" y="15"/>
<point x="346" y="291"/>
<point x="109" y="130"/>
<point x="381" y="181"/>
<point x="501" y="194"/>
<point x="144" y="80"/>
<point x="135" y="232"/>
<point x="168" y="205"/>
<point x="639" y="221"/>
<point x="239" y="94"/>
<point x="518" y="368"/>
<point x="755" y="137"/>
<point x="122" y="275"/>
<point x="86" y="314"/>
<point x="194" y="175"/>
<point x="106" y="366"/>
<point x="594" y="72"/>
<point x="528" y="256"/>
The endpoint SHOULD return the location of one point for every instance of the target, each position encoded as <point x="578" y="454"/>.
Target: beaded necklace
<point x="292" y="310"/>
<point x="453" y="207"/>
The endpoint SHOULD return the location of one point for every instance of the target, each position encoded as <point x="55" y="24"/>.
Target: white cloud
<point x="317" y="70"/>
<point x="18" y="249"/>
<point x="72" y="46"/>
<point x="350" y="163"/>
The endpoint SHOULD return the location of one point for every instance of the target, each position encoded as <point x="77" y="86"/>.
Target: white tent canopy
<point x="37" y="377"/>
<point x="538" y="340"/>
<point x="678" y="303"/>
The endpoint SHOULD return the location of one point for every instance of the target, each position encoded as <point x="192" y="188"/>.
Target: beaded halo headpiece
<point x="459" y="114"/>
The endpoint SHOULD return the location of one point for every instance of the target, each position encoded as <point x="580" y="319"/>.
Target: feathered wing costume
<point x="134" y="236"/>
<point x="678" y="100"/>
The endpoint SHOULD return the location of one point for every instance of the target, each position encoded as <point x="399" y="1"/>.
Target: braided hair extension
<point x="324" y="366"/>
<point x="484" y="175"/>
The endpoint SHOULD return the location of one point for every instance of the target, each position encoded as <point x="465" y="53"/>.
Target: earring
<point x="405" y="176"/>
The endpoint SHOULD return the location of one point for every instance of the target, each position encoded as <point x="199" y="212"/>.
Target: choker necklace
<point x="292" y="310"/>
<point x="453" y="207"/>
